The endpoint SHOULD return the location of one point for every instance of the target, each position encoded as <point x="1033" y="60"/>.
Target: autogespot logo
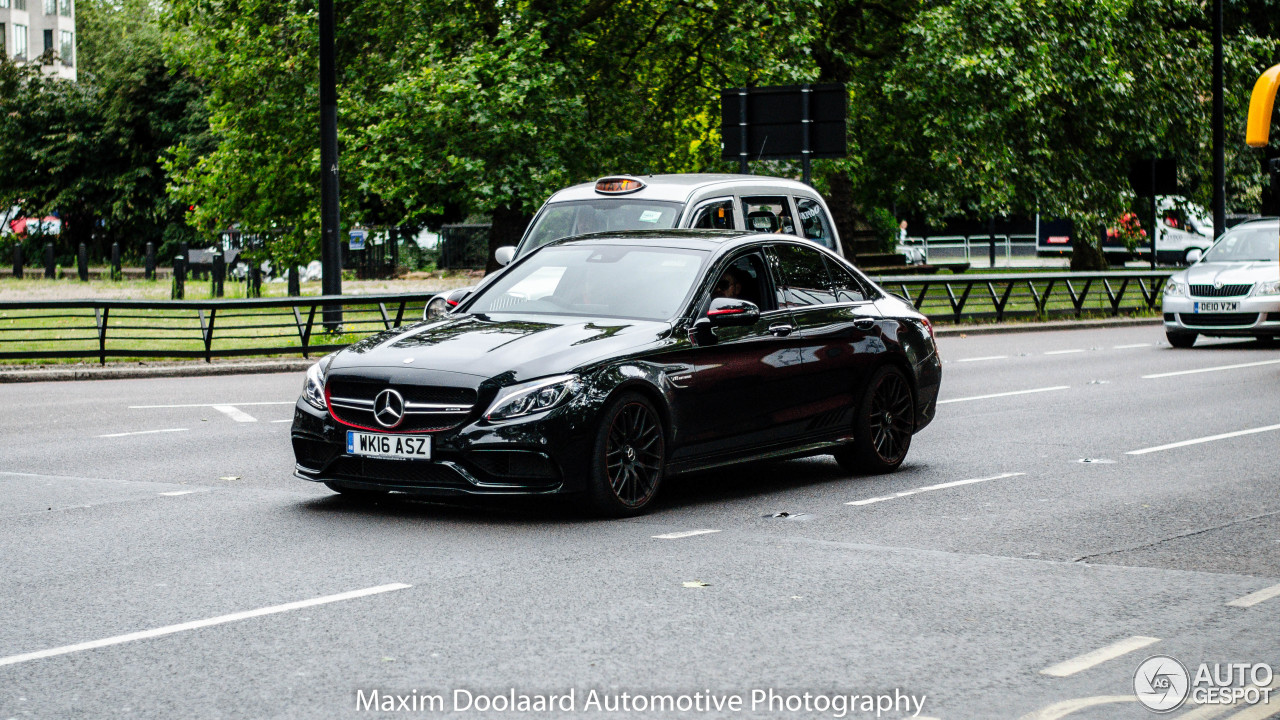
<point x="1161" y="683"/>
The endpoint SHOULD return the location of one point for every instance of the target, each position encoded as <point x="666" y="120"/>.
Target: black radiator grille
<point x="1224" y="291"/>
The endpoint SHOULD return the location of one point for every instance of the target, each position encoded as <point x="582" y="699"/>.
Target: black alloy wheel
<point x="630" y="457"/>
<point x="883" y="425"/>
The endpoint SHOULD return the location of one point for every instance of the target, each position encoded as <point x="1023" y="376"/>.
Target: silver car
<point x="661" y="202"/>
<point x="1233" y="290"/>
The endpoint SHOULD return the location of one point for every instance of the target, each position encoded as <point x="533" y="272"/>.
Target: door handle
<point x="863" y="323"/>
<point x="781" y="329"/>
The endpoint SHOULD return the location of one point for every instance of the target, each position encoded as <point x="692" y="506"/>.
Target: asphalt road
<point x="916" y="582"/>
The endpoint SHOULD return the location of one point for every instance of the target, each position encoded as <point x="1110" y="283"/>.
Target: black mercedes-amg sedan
<point x="602" y="365"/>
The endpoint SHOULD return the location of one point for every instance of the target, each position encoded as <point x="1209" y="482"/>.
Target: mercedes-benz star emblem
<point x="388" y="408"/>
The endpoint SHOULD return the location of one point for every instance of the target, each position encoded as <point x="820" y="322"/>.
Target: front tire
<point x="883" y="425"/>
<point x="1181" y="339"/>
<point x="629" y="457"/>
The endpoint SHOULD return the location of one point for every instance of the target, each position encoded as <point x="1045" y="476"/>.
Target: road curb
<point x="1002" y="328"/>
<point x="193" y="369"/>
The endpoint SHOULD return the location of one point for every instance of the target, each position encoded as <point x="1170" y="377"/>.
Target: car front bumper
<point x="542" y="455"/>
<point x="1252" y="316"/>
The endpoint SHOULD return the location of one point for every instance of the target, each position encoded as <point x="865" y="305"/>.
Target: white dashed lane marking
<point x="143" y="432"/>
<point x="209" y="405"/>
<point x="197" y="624"/>
<point x="234" y="413"/>
<point x="1254" y="598"/>
<point x="930" y="488"/>
<point x="684" y="534"/>
<point x="1099" y="656"/>
<point x="979" y="359"/>
<point x="1197" y="441"/>
<point x="1063" y="352"/>
<point x="1211" y="369"/>
<point x="1005" y="394"/>
<point x="1131" y="345"/>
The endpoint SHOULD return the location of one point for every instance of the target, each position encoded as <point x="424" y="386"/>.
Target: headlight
<point x="1175" y="288"/>
<point x="313" y="386"/>
<point x="1271" y="287"/>
<point x="533" y="397"/>
<point x="435" y="308"/>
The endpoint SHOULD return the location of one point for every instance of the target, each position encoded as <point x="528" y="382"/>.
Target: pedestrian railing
<point x="1045" y="295"/>
<point x="62" y="329"/>
<point x="940" y="249"/>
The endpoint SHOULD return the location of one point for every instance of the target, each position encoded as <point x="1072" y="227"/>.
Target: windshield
<point x="595" y="280"/>
<point x="1256" y="244"/>
<point x="563" y="219"/>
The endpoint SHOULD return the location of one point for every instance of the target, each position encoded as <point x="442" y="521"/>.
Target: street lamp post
<point x="1219" y="134"/>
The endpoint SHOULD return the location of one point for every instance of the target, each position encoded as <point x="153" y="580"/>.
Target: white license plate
<point x="1216" y="306"/>
<point x="417" y="447"/>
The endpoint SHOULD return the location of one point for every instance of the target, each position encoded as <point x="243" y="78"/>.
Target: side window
<point x="714" y="216"/>
<point x="814" y="222"/>
<point x="844" y="286"/>
<point x="745" y="278"/>
<point x="768" y="215"/>
<point x="804" y="272"/>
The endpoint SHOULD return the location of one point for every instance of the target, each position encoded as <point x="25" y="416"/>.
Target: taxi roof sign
<point x="618" y="185"/>
<point x="1261" y="104"/>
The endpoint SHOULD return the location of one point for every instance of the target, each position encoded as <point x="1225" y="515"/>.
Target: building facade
<point x="40" y="31"/>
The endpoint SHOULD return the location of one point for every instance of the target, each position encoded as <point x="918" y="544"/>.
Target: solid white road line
<point x="283" y="421"/>
<point x="1131" y="345"/>
<point x="152" y="407"/>
<point x="176" y="493"/>
<point x="1005" y="394"/>
<point x="929" y="488"/>
<point x="234" y="413"/>
<point x="144" y="432"/>
<point x="684" y="534"/>
<point x="1211" y="369"/>
<point x="989" y="357"/>
<point x="197" y="624"/>
<point x="1063" y="352"/>
<point x="1099" y="656"/>
<point x="1254" y="598"/>
<point x="1197" y="441"/>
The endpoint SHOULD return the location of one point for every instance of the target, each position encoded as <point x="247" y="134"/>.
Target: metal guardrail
<point x="1030" y="294"/>
<point x="60" y="329"/>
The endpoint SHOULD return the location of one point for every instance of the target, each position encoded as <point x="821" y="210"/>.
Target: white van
<point x="1183" y="227"/>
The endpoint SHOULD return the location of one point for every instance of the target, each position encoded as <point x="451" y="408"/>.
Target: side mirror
<point x="732" y="312"/>
<point x="504" y="254"/>
<point x="1193" y="256"/>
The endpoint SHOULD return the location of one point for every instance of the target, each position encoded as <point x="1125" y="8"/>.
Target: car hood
<point x="519" y="347"/>
<point x="1230" y="273"/>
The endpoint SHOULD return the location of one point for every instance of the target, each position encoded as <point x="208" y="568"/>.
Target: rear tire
<point x="1181" y="339"/>
<point x="882" y="426"/>
<point x="628" y="458"/>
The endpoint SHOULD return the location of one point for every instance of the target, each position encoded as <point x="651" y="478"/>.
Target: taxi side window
<point x="768" y="215"/>
<point x="844" y="286"/>
<point x="714" y="216"/>
<point x="814" y="222"/>
<point x="804" y="273"/>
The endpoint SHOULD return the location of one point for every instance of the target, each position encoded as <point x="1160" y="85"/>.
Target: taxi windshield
<point x="615" y="281"/>
<point x="563" y="219"/>
<point x="1252" y="244"/>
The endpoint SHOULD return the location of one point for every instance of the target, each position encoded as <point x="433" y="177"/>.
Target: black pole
<point x="49" y="270"/>
<point x="805" y="122"/>
<point x="742" y="130"/>
<point x="17" y="260"/>
<point x="1155" y="214"/>
<point x="82" y="263"/>
<point x="219" y="273"/>
<point x="151" y="261"/>
<point x="330" y="260"/>
<point x="179" y="277"/>
<point x="991" y="236"/>
<point x="295" y="285"/>
<point x="1219" y="135"/>
<point x="116" y="272"/>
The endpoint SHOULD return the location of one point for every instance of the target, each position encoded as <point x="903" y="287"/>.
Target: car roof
<point x="679" y="187"/>
<point x="709" y="240"/>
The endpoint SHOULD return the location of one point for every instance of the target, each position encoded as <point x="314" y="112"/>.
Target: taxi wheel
<point x="883" y="425"/>
<point x="1181" y="339"/>
<point x="629" y="458"/>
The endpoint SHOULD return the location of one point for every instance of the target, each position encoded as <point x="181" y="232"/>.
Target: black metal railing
<point x="1045" y="295"/>
<point x="62" y="329"/>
